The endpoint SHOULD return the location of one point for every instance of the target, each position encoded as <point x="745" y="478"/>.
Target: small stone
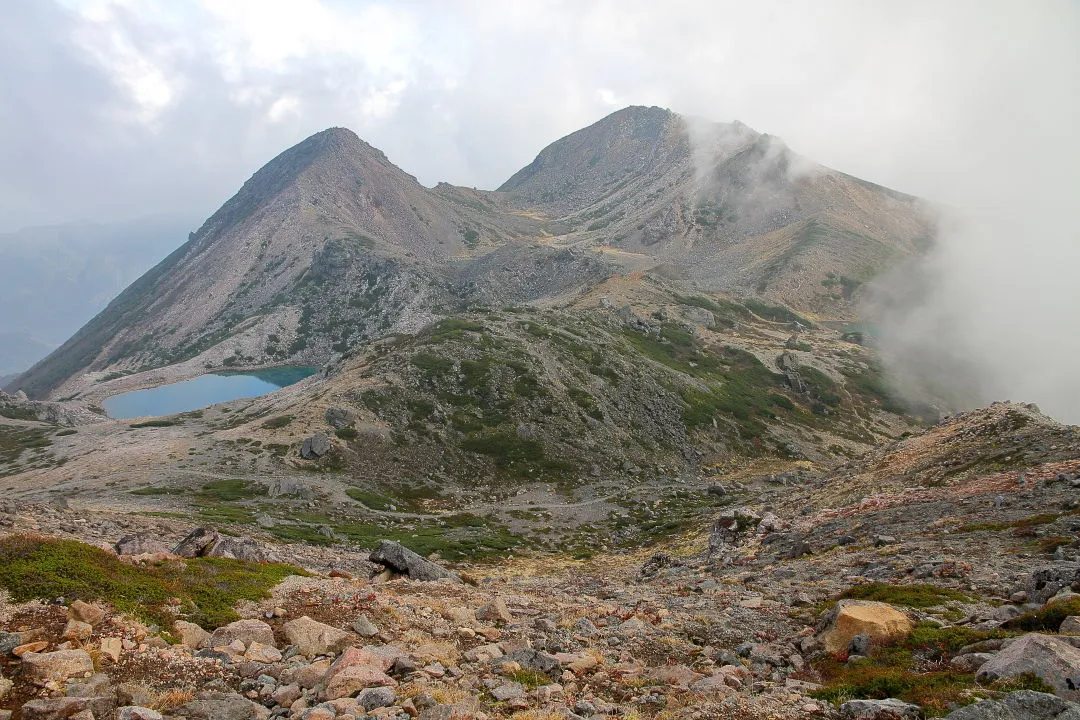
<point x="363" y="627"/>
<point x="32" y="647"/>
<point x="508" y="691"/>
<point x="78" y="630"/>
<point x="495" y="612"/>
<point x="111" y="648"/>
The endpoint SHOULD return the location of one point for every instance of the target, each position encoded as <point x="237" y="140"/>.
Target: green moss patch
<point x="37" y="568"/>
<point x="1049" y="618"/>
<point x="913" y="596"/>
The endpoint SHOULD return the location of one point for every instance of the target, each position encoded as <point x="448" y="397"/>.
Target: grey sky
<point x="115" y="108"/>
<point x="120" y="108"/>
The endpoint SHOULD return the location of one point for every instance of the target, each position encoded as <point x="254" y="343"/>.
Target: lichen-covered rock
<point x="1019" y="705"/>
<point x="58" y="666"/>
<point x="888" y="709"/>
<point x="1053" y="660"/>
<point x="246" y="631"/>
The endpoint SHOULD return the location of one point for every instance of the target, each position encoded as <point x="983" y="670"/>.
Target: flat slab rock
<point x="888" y="709"/>
<point x="401" y="559"/>
<point x="1019" y="705"/>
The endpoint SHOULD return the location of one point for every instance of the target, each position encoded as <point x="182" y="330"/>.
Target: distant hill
<point x="53" y="279"/>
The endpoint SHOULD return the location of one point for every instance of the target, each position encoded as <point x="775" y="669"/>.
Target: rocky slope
<point x="330" y="246"/>
<point x="807" y="595"/>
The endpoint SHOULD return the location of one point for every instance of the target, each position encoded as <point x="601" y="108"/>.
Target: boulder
<point x="257" y="652"/>
<point x="400" y="559"/>
<point x="339" y="417"/>
<point x="495" y="612"/>
<point x="1053" y="660"/>
<point x="191" y="635"/>
<point x="888" y="709"/>
<point x="57" y="666"/>
<point x="87" y="613"/>
<point x="1019" y="705"/>
<point x="134" y="712"/>
<point x="315" y="446"/>
<point x="246" y="631"/>
<point x="881" y="621"/>
<point x="142" y="543"/>
<point x="218" y="706"/>
<point x="376" y="697"/>
<point x="207" y="542"/>
<point x="315" y="638"/>
<point x="1046" y="582"/>
<point x="239" y="548"/>
<point x="1070" y="625"/>
<point x="197" y="542"/>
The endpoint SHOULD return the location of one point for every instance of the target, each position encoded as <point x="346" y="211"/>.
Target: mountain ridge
<point x="330" y="244"/>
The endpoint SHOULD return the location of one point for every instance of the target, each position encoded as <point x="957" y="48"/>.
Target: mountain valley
<point x="623" y="410"/>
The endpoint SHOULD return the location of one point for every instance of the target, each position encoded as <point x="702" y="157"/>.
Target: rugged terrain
<point x="965" y="531"/>
<point x="619" y="410"/>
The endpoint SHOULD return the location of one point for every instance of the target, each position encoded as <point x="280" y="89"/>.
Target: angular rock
<point x="246" y="631"/>
<point x="111" y="647"/>
<point x="882" y="622"/>
<point x="403" y="560"/>
<point x="508" y="691"/>
<point x="218" y="706"/>
<point x="533" y="660"/>
<point x="375" y="698"/>
<point x="315" y="446"/>
<point x="363" y="627"/>
<point x="191" y="635"/>
<point x="1070" y="626"/>
<point x="495" y="612"/>
<point x="87" y="613"/>
<point x="1019" y="705"/>
<point x="58" y="665"/>
<point x="134" y="712"/>
<point x="1046" y="582"/>
<point x="142" y="543"/>
<point x="316" y="638"/>
<point x="889" y="709"/>
<point x="54" y="708"/>
<point x="1053" y="660"/>
<point x="339" y="417"/>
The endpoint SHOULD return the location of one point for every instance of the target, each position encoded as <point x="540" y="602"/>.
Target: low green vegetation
<point x="278" y="422"/>
<point x="154" y="424"/>
<point x="1048" y="618"/>
<point x="373" y="500"/>
<point x="36" y="568"/>
<point x="1028" y="522"/>
<point x="17" y="413"/>
<point x="912" y="670"/>
<point x="913" y="596"/>
<point x="230" y="490"/>
<point x="774" y="313"/>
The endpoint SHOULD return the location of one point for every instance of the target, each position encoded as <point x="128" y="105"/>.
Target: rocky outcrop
<point x="315" y="446"/>
<point x="1053" y="660"/>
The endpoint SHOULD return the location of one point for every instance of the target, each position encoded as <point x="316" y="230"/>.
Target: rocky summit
<point x="608" y="441"/>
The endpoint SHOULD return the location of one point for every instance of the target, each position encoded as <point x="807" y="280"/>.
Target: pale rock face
<point x="191" y="635"/>
<point x="59" y="665"/>
<point x="881" y="621"/>
<point x="1055" y="661"/>
<point x="246" y="631"/>
<point x="315" y="638"/>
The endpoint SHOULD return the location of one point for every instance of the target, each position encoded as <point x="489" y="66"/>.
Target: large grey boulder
<point x="315" y="446"/>
<point x="340" y="417"/>
<point x="1019" y="705"/>
<point x="218" y="706"/>
<point x="1053" y="660"/>
<point x="143" y="543"/>
<point x="207" y="542"/>
<point x="401" y="559"/>
<point x="1046" y="582"/>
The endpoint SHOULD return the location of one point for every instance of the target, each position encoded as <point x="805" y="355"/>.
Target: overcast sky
<point x="119" y="108"/>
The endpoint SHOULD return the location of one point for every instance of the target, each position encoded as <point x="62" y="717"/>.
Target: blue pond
<point x="202" y="391"/>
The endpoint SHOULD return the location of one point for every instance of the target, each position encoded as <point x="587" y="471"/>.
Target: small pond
<point x="202" y="391"/>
